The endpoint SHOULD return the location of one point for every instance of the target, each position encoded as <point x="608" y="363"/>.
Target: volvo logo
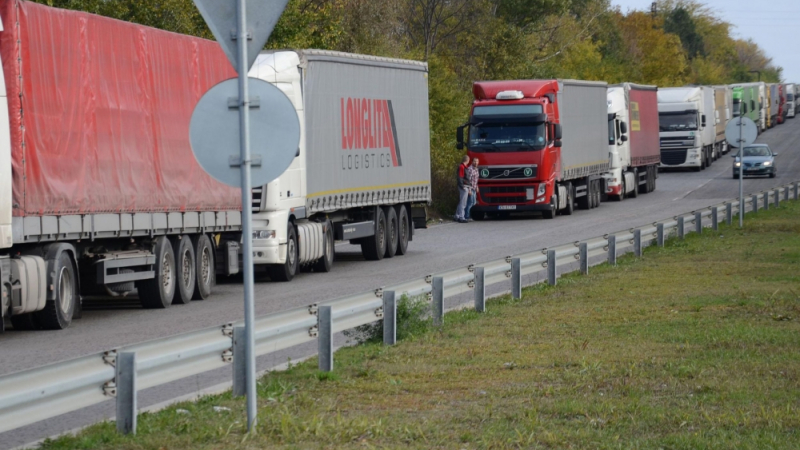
<point x="528" y="171"/>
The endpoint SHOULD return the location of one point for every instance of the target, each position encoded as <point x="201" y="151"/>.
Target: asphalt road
<point x="108" y="324"/>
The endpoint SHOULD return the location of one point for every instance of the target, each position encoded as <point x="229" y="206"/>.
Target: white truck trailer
<point x="686" y="124"/>
<point x="363" y="161"/>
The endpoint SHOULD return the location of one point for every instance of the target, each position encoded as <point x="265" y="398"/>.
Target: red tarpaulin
<point x="99" y="114"/>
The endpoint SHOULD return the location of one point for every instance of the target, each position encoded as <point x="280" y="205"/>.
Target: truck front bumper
<point x="268" y="251"/>
<point x="510" y="208"/>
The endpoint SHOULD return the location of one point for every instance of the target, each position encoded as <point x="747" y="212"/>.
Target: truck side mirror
<point x="557" y="144"/>
<point x="460" y="138"/>
<point x="703" y="120"/>
<point x="623" y="138"/>
<point x="623" y="127"/>
<point x="557" y="132"/>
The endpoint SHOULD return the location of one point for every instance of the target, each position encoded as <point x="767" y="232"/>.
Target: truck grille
<point x="503" y="194"/>
<point x="673" y="157"/>
<point x="507" y="173"/>
<point x="258" y="195"/>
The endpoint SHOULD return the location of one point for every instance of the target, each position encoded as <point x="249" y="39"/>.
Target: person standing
<point x="472" y="175"/>
<point x="463" y="189"/>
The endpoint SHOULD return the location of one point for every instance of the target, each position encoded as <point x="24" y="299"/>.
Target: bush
<point x="413" y="319"/>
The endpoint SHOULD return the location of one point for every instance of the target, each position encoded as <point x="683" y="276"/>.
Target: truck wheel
<point x="570" y="201"/>
<point x="392" y="231"/>
<point x="598" y="193"/>
<point x="374" y="247"/>
<point x="587" y="200"/>
<point x="404" y="229"/>
<point x="635" y="190"/>
<point x="57" y="314"/>
<point x="551" y="213"/>
<point x="24" y="322"/>
<point x="204" y="267"/>
<point x="287" y="270"/>
<point x="185" y="270"/>
<point x="325" y="264"/>
<point x="158" y="292"/>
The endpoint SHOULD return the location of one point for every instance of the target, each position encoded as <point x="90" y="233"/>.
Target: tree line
<point x="675" y="43"/>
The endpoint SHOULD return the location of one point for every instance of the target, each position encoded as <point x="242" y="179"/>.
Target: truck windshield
<point x="677" y="121"/>
<point x="789" y="97"/>
<point x="506" y="136"/>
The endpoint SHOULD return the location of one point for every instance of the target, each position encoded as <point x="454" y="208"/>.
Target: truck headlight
<point x="542" y="189"/>
<point x="264" y="234"/>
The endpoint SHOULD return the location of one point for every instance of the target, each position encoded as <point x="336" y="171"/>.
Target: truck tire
<point x="551" y="213"/>
<point x="404" y="229"/>
<point x="325" y="264"/>
<point x="570" y="201"/>
<point x="598" y="193"/>
<point x="392" y="231"/>
<point x="185" y="270"/>
<point x="57" y="314"/>
<point x="204" y="267"/>
<point x="158" y="292"/>
<point x="287" y="270"/>
<point x="374" y="247"/>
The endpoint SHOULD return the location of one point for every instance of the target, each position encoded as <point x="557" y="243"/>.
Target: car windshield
<point x="507" y="136"/>
<point x="677" y="122"/>
<point x="757" y="151"/>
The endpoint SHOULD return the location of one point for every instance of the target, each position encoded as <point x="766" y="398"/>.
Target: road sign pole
<point x="247" y="213"/>
<point x="741" y="173"/>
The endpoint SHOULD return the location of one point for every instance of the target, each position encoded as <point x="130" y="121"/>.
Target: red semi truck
<point x="99" y="190"/>
<point x="542" y="145"/>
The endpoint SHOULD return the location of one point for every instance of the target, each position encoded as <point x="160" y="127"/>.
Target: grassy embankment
<point x="693" y="346"/>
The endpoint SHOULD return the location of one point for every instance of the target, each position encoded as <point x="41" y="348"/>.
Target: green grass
<point x="694" y="346"/>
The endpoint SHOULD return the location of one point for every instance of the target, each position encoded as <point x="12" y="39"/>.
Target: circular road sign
<point x="749" y="132"/>
<point x="274" y="132"/>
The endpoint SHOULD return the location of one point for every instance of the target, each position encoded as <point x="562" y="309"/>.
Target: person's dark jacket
<point x="461" y="176"/>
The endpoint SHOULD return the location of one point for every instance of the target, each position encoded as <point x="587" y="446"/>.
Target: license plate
<point x="502" y="207"/>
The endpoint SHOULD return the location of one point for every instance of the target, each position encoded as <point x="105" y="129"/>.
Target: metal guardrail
<point x="34" y="395"/>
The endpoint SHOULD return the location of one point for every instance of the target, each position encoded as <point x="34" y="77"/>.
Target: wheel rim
<point x="64" y="290"/>
<point x="291" y="249"/>
<point x="205" y="265"/>
<point x="186" y="269"/>
<point x="381" y="234"/>
<point x="167" y="278"/>
<point x="328" y="247"/>
<point x="393" y="230"/>
<point x="403" y="227"/>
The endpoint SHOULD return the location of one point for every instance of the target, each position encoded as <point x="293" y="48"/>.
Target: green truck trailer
<point x="746" y="102"/>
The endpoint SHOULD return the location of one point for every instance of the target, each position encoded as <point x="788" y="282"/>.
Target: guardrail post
<point x="714" y="218"/>
<point x="239" y="362"/>
<point x="480" y="290"/>
<point x="755" y="203"/>
<point x="698" y="223"/>
<point x="438" y="300"/>
<point x="660" y="234"/>
<point x="583" y="252"/>
<point x="777" y="197"/>
<point x="786" y="193"/>
<point x="612" y="250"/>
<point x="637" y="243"/>
<point x="551" y="267"/>
<point x="126" y="392"/>
<point x="325" y="338"/>
<point x="766" y="199"/>
<point x="729" y="213"/>
<point x="516" y="278"/>
<point x="795" y="189"/>
<point x="681" y="227"/>
<point x="389" y="318"/>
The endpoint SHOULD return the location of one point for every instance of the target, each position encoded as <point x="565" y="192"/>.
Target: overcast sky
<point x="773" y="24"/>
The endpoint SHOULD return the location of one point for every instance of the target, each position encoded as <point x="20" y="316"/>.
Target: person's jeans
<point x="471" y="200"/>
<point x="463" y="193"/>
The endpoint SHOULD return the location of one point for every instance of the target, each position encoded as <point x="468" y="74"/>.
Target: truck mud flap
<point x="419" y="216"/>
